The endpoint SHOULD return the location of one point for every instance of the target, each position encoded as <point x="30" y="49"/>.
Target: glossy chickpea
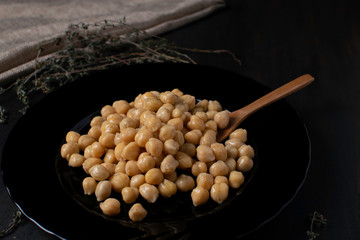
<point x="214" y="105"/>
<point x="231" y="163"/>
<point x="110" y="207"/>
<point x="169" y="164"/>
<point x="95" y="132"/>
<point x="232" y="152"/>
<point x="99" y="172"/>
<point x="185" y="161"/>
<point x="154" y="176"/>
<point x="199" y="196"/>
<point x="107" y="110"/>
<point x="211" y="124"/>
<point x="167" y="188"/>
<point x="154" y="146"/>
<point x="109" y="156"/>
<point x="121" y="106"/>
<point x="234" y="142"/>
<point x="185" y="183"/>
<point x="189" y="100"/>
<point x="137" y="212"/>
<point x="131" y="151"/>
<point x="118" y="151"/>
<point x="211" y="115"/>
<point x="196" y="123"/>
<point x="163" y="114"/>
<point x="222" y="119"/>
<point x="84" y="141"/>
<point x="204" y="153"/>
<point x="178" y="123"/>
<point x="103" y="190"/>
<point x="118" y="181"/>
<point x="149" y="192"/>
<point x="115" y="118"/>
<point x="87" y="152"/>
<point x="219" y="192"/>
<point x="107" y="140"/>
<point x="68" y="149"/>
<point x="203" y="104"/>
<point x="131" y="168"/>
<point x="221" y="179"/>
<point x="107" y="127"/>
<point x="205" y="180"/>
<point x="179" y="138"/>
<point x="246" y="150"/>
<point x="90" y="162"/>
<point x="171" y="146"/>
<point x="244" y="164"/>
<point x="129" y="194"/>
<point x="167" y="132"/>
<point x="189" y="149"/>
<point x="236" y="179"/>
<point x="97" y="120"/>
<point x="153" y="123"/>
<point x="76" y="160"/>
<point x="145" y="162"/>
<point x="208" y="138"/>
<point x="110" y="167"/>
<point x="193" y="136"/>
<point x="135" y="113"/>
<point x="171" y="176"/>
<point x="219" y="168"/>
<point x="89" y="185"/>
<point x="143" y="136"/>
<point x="198" y="167"/>
<point x="72" y="136"/>
<point x="97" y="150"/>
<point x="137" y="180"/>
<point x="219" y="151"/>
<point x="128" y="123"/>
<point x="240" y="134"/>
<point x="120" y="166"/>
<point x="127" y="135"/>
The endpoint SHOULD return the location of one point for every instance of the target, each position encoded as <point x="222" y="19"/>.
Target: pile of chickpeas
<point x="160" y="143"/>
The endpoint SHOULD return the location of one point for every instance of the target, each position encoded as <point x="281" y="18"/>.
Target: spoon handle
<point x="277" y="94"/>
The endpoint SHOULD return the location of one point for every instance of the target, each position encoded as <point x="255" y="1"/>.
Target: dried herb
<point x="15" y="221"/>
<point x="317" y="220"/>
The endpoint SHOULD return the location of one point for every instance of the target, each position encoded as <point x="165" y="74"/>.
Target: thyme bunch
<point x="316" y="220"/>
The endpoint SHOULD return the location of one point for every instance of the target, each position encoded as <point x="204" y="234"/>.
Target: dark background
<point x="276" y="42"/>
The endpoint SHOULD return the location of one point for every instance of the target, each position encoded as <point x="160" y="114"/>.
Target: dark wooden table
<point x="277" y="41"/>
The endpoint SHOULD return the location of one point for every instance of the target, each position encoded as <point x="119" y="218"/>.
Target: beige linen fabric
<point x="27" y="24"/>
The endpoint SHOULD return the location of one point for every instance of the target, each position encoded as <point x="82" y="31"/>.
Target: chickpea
<point x="177" y="92"/>
<point x="128" y="122"/>
<point x="130" y="194"/>
<point x="137" y="180"/>
<point x="95" y="132"/>
<point x="178" y="113"/>
<point x="76" y="160"/>
<point x="244" y="164"/>
<point x="152" y="104"/>
<point x="246" y="150"/>
<point x="107" y="127"/>
<point x="231" y="163"/>
<point x="87" y="152"/>
<point x="110" y="167"/>
<point x="163" y="114"/>
<point x="103" y="190"/>
<point x="203" y="104"/>
<point x="221" y="179"/>
<point x="135" y="113"/>
<point x="131" y="168"/>
<point x="159" y="159"/>
<point x="189" y="100"/>
<point x="167" y="132"/>
<point x="115" y="118"/>
<point x="89" y="185"/>
<point x="211" y="124"/>
<point x="90" y="162"/>
<point x="198" y="167"/>
<point x="109" y="156"/>
<point x="222" y="119"/>
<point x="199" y="196"/>
<point x="193" y="136"/>
<point x="205" y="180"/>
<point x="189" y="149"/>
<point x="167" y="188"/>
<point x="72" y="136"/>
<point x="232" y="152"/>
<point x="171" y="176"/>
<point x="219" y="168"/>
<point x="118" y="151"/>
<point x="185" y="183"/>
<point x="98" y="120"/>
<point x="185" y="161"/>
<point x="214" y="106"/>
<point x="240" y="134"/>
<point x="236" y="179"/>
<point x="171" y="146"/>
<point x="219" y="192"/>
<point x="149" y="192"/>
<point x="204" y="153"/>
<point x="137" y="212"/>
<point x="107" y="140"/>
<point x="121" y="106"/>
<point x="219" y="151"/>
<point x="154" y="146"/>
<point x="143" y="136"/>
<point x="99" y="172"/>
<point x="211" y="115"/>
<point x="68" y="149"/>
<point x="84" y="141"/>
<point x="178" y="123"/>
<point x="118" y="181"/>
<point x="234" y="142"/>
<point x="179" y="138"/>
<point x="169" y="164"/>
<point x="207" y="139"/>
<point x="107" y="110"/>
<point x="196" y="123"/>
<point x="120" y="166"/>
<point x="153" y="123"/>
<point x="110" y="207"/>
<point x="131" y="151"/>
<point x="154" y="176"/>
<point x="97" y="150"/>
<point x="127" y="135"/>
<point x="145" y="162"/>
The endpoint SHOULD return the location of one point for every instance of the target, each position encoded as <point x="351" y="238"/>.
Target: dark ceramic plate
<point x="49" y="192"/>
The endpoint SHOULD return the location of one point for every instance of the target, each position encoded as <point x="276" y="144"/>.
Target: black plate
<point x="35" y="176"/>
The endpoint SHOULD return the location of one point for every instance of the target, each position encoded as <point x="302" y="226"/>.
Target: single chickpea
<point x="167" y="132"/>
<point x="236" y="179"/>
<point x="193" y="136"/>
<point x="219" y="151"/>
<point x="219" y="192"/>
<point x="110" y="207"/>
<point x="231" y="163"/>
<point x="240" y="134"/>
<point x="131" y="151"/>
<point x="177" y="92"/>
<point x="72" y="136"/>
<point x="198" y="167"/>
<point x="202" y="116"/>
<point x="185" y="161"/>
<point x="246" y="150"/>
<point x="109" y="156"/>
<point x="169" y="97"/>
<point x="163" y="114"/>
<point x="171" y="176"/>
<point x="219" y="168"/>
<point x="153" y="123"/>
<point x="95" y="132"/>
<point x="189" y="149"/>
<point x="107" y="110"/>
<point x="110" y="167"/>
<point x="222" y="119"/>
<point x="205" y="180"/>
<point x="76" y="160"/>
<point x="84" y="141"/>
<point x="143" y="136"/>
<point x="99" y="172"/>
<point x="89" y="185"/>
<point x="204" y="153"/>
<point x="154" y="176"/>
<point x="232" y="152"/>
<point x="179" y="138"/>
<point x="169" y="164"/>
<point x="149" y="192"/>
<point x="244" y="164"/>
<point x="128" y="122"/>
<point x="203" y="104"/>
<point x="196" y="123"/>
<point x="121" y="106"/>
<point x="214" y="105"/>
<point x="68" y="149"/>
<point x="145" y="162"/>
<point x="211" y="124"/>
<point x="115" y="118"/>
<point x="221" y="179"/>
<point x="234" y="142"/>
<point x="103" y="190"/>
<point x="154" y="146"/>
<point x="118" y="181"/>
<point x="135" y="113"/>
<point x="137" y="180"/>
<point x="137" y="212"/>
<point x="129" y="194"/>
<point x="208" y="138"/>
<point x="120" y="167"/>
<point x="167" y="188"/>
<point x="97" y="120"/>
<point x="90" y="162"/>
<point x="177" y="113"/>
<point x="87" y="152"/>
<point x="199" y="196"/>
<point x="185" y="183"/>
<point x="178" y="123"/>
<point x="152" y="104"/>
<point x="189" y="100"/>
<point x="107" y="127"/>
<point x="107" y="140"/>
<point x="211" y="115"/>
<point x="131" y="168"/>
<point x="127" y="135"/>
<point x="171" y="146"/>
<point x="118" y="151"/>
<point x="97" y="150"/>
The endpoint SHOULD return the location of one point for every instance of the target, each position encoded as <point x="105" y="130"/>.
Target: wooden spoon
<point x="241" y="114"/>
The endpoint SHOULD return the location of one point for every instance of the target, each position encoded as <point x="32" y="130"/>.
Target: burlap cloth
<point x="27" y="24"/>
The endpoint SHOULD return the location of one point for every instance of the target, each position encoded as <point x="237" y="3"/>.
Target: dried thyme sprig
<point x="316" y="220"/>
